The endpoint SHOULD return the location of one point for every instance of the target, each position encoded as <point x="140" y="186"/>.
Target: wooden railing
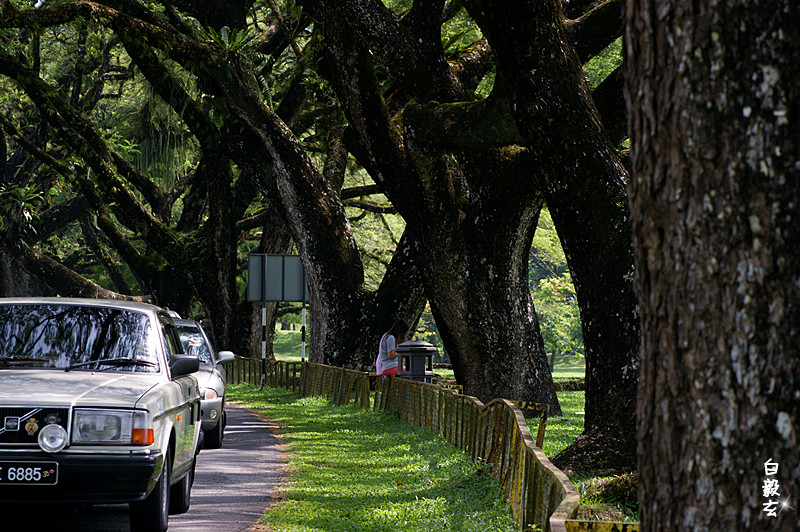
<point x="338" y="385"/>
<point x="539" y="494"/>
<point x="243" y="371"/>
<point x="282" y="374"/>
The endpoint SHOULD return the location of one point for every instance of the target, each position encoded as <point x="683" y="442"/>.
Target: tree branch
<point x="63" y="280"/>
<point x="594" y="31"/>
<point x="463" y="126"/>
<point x="253" y="222"/>
<point x="336" y="159"/>
<point x="424" y="19"/>
<point x="610" y="102"/>
<point x="471" y="64"/>
<point x="370" y="207"/>
<point x="90" y="236"/>
<point x="55" y="218"/>
<point x="398" y="50"/>
<point x="77" y="131"/>
<point x="357" y="192"/>
<point x="216" y="14"/>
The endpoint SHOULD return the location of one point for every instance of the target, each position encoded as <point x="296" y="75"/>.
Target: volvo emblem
<point x="11" y="423"/>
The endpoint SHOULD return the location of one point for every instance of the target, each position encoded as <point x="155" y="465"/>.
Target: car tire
<point x="181" y="493"/>
<point x="212" y="439"/>
<point x="152" y="514"/>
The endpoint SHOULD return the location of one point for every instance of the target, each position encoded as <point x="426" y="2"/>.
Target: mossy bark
<point x="584" y="189"/>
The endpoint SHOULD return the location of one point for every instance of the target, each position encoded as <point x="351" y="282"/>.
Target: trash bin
<point x="416" y="360"/>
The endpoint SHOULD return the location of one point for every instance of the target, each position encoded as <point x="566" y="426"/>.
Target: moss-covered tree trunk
<point x="473" y="219"/>
<point x="584" y="189"/>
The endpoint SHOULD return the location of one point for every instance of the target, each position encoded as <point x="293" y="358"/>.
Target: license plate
<point x="28" y="473"/>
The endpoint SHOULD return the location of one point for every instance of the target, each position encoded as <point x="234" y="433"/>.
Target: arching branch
<point x="594" y="31"/>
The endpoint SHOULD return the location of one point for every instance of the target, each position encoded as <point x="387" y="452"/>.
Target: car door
<point x="187" y="415"/>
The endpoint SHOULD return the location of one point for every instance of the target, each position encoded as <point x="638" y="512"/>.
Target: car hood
<point x="77" y="388"/>
<point x="205" y="375"/>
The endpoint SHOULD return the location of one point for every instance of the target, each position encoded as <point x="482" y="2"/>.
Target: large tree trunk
<point x="714" y="102"/>
<point x="477" y="281"/>
<point x="352" y="326"/>
<point x="474" y="222"/>
<point x="585" y="191"/>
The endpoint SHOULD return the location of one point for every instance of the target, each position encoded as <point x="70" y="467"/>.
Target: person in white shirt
<point x="386" y="363"/>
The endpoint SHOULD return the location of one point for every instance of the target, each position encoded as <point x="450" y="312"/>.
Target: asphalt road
<point x="232" y="487"/>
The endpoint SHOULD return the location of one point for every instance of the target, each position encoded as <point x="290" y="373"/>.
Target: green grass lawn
<point x="287" y="345"/>
<point x="560" y="432"/>
<point x="569" y="372"/>
<point x="358" y="470"/>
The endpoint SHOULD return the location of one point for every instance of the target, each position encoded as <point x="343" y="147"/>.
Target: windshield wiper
<point x="16" y="361"/>
<point x="119" y="361"/>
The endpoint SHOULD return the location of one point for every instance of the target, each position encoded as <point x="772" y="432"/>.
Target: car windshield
<point x="76" y="337"/>
<point x="194" y="343"/>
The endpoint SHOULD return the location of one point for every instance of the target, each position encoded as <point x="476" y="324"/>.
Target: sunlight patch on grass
<point x="561" y="431"/>
<point x="359" y="470"/>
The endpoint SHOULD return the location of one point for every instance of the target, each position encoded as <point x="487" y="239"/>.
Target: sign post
<point x="278" y="278"/>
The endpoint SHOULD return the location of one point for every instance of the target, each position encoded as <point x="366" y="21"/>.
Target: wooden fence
<point x="539" y="494"/>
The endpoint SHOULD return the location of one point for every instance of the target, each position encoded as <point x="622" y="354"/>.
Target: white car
<point x="97" y="405"/>
<point x="211" y="377"/>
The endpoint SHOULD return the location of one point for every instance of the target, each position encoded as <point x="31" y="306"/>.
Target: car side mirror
<point x="183" y="364"/>
<point x="224" y="357"/>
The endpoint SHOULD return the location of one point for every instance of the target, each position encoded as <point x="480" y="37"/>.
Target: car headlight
<point x="115" y="427"/>
<point x="208" y="393"/>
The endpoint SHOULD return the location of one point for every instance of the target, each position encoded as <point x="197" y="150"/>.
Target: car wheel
<point x="212" y="439"/>
<point x="153" y="512"/>
<point x="181" y="493"/>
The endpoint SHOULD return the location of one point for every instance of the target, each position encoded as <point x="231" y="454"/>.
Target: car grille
<point x="21" y="425"/>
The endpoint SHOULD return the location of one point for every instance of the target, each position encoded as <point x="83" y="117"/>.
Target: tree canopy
<point x="166" y="135"/>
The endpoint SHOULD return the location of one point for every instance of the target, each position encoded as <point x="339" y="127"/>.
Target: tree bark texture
<point x="714" y="103"/>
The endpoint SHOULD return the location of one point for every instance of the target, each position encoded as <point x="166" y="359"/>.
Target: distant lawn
<point x="569" y="372"/>
<point x="287" y="346"/>
<point x="358" y="470"/>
